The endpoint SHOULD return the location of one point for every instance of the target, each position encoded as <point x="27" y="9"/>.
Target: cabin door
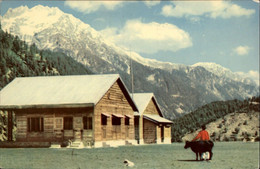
<point x="77" y="122"/>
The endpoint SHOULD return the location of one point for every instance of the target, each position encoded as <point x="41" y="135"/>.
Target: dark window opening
<point x="87" y="122"/>
<point x="136" y="121"/>
<point x="35" y="124"/>
<point x="68" y="123"/>
<point x="116" y="120"/>
<point x="103" y="119"/>
<point x="127" y="121"/>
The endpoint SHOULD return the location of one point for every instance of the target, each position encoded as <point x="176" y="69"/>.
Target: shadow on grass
<point x="190" y="160"/>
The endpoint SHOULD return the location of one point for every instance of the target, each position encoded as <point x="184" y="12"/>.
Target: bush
<point x="220" y="125"/>
<point x="245" y="122"/>
<point x="257" y="138"/>
<point x="225" y="138"/>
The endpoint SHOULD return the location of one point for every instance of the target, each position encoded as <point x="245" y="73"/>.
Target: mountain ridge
<point x="179" y="88"/>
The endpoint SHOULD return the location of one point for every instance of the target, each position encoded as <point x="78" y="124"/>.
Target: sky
<point x="185" y="32"/>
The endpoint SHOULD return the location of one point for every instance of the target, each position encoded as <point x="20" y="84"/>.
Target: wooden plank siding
<point x="53" y="119"/>
<point x="114" y="102"/>
<point x="151" y="108"/>
<point x="149" y="132"/>
<point x="162" y="131"/>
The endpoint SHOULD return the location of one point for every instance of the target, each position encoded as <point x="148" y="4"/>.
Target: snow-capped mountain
<point x="223" y="72"/>
<point x="178" y="88"/>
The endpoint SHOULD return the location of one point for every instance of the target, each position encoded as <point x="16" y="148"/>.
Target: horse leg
<point x="196" y="156"/>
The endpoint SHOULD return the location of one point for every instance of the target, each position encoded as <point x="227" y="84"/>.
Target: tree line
<point x="18" y="59"/>
<point x="209" y="113"/>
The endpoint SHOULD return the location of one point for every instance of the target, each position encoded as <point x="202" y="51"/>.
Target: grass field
<point x="227" y="155"/>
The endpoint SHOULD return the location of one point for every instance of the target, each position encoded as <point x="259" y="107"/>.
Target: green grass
<point x="227" y="155"/>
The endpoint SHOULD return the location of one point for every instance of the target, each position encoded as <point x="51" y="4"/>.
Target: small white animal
<point x="128" y="163"/>
<point x="205" y="156"/>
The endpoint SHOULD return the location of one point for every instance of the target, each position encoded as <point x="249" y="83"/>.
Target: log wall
<point x="53" y="124"/>
<point x="114" y="102"/>
<point x="149" y="132"/>
<point x="151" y="108"/>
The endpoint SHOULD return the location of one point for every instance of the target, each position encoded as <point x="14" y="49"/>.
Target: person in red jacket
<point x="203" y="135"/>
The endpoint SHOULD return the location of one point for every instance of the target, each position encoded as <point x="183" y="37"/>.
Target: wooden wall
<point x="53" y="124"/>
<point x="149" y="132"/>
<point x="167" y="131"/>
<point x="114" y="101"/>
<point x="151" y="108"/>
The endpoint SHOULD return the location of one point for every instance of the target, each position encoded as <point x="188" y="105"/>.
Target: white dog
<point x="128" y="163"/>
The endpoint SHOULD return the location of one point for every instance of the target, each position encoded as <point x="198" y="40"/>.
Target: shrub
<point x="220" y="125"/>
<point x="245" y="122"/>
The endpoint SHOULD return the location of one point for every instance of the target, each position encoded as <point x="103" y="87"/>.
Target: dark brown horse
<point x="200" y="147"/>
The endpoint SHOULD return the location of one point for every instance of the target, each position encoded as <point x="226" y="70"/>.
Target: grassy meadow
<point x="227" y="155"/>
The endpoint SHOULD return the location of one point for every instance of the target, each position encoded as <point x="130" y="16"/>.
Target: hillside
<point x="18" y="59"/>
<point x="242" y="126"/>
<point x="225" y="120"/>
<point x="179" y="89"/>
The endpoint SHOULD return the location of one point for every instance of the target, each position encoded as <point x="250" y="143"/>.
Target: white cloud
<point x="254" y="75"/>
<point x="212" y="9"/>
<point x="241" y="50"/>
<point x="148" y="37"/>
<point x="92" y="6"/>
<point x="151" y="3"/>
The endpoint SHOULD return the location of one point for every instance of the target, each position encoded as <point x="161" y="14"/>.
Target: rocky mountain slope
<point x="178" y="88"/>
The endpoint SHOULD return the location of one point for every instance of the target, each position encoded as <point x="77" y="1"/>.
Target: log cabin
<point x="150" y="125"/>
<point x="83" y="110"/>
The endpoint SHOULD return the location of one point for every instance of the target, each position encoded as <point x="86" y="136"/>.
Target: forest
<point x="18" y="59"/>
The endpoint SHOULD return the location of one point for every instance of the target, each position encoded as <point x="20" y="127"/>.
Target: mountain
<point x="18" y="59"/>
<point x="178" y="88"/>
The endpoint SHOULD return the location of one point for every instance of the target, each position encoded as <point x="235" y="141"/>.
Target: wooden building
<point x="150" y="125"/>
<point x="89" y="110"/>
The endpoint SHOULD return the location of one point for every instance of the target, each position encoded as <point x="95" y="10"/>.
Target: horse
<point x="199" y="147"/>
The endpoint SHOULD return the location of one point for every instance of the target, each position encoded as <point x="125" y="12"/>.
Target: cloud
<point x="151" y="3"/>
<point x="212" y="9"/>
<point x="92" y="6"/>
<point x="148" y="37"/>
<point x="241" y="50"/>
<point x="257" y="1"/>
<point x="254" y="75"/>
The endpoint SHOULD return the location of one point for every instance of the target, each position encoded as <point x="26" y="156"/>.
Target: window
<point x="35" y="124"/>
<point x="68" y="123"/>
<point x="116" y="120"/>
<point x="87" y="122"/>
<point x="103" y="119"/>
<point x="127" y="121"/>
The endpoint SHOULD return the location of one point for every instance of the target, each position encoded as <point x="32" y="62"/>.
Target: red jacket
<point x="203" y="136"/>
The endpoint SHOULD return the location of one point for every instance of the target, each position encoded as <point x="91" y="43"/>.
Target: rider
<point x="203" y="135"/>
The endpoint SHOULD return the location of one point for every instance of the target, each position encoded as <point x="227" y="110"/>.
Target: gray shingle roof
<point x="56" y="90"/>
